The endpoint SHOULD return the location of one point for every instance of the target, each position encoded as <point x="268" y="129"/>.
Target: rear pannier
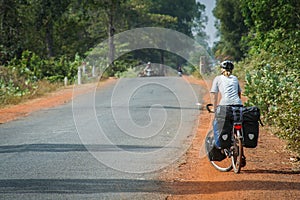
<point x="222" y="132"/>
<point x="214" y="153"/>
<point x="251" y="117"/>
<point x="222" y="126"/>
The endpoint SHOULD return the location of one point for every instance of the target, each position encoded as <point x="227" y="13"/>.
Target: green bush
<point x="24" y="77"/>
<point x="15" y="83"/>
<point x="16" y="80"/>
<point x="274" y="86"/>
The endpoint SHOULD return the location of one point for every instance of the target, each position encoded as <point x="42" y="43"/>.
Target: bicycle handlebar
<point x="208" y="108"/>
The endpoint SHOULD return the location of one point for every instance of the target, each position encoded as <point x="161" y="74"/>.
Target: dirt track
<point x="269" y="174"/>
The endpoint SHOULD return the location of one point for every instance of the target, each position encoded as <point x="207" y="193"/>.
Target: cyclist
<point x="229" y="87"/>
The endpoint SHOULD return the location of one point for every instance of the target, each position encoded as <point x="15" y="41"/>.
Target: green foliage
<point x="16" y="80"/>
<point x="55" y="31"/>
<point x="272" y="64"/>
<point x="270" y="22"/>
<point x="275" y="87"/>
<point x="18" y="89"/>
<point x="45" y="68"/>
<point x="240" y="69"/>
<point x="264" y="16"/>
<point x="22" y="77"/>
<point x="232" y="27"/>
<point x="189" y="15"/>
<point x="10" y="30"/>
<point x="130" y="73"/>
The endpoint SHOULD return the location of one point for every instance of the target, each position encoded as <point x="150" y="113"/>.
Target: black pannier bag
<point x="251" y="113"/>
<point x="222" y="132"/>
<point x="222" y="126"/>
<point x="251" y="116"/>
<point x="214" y="153"/>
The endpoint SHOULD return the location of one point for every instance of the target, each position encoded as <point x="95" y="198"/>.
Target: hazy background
<point x="210" y="28"/>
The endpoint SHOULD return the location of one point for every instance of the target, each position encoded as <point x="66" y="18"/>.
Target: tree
<point x="10" y="34"/>
<point x="186" y="17"/>
<point x="47" y="13"/>
<point x="54" y="28"/>
<point x="270" y="21"/>
<point x="232" y="28"/>
<point x="189" y="14"/>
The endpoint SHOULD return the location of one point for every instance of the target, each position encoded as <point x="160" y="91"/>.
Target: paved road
<point x="107" y="144"/>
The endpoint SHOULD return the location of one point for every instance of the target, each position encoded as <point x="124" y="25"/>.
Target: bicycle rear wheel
<point x="237" y="153"/>
<point x="224" y="165"/>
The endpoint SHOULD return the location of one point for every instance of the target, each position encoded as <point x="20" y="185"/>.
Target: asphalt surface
<point x="111" y="143"/>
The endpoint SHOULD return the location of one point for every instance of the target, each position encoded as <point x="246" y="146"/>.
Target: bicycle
<point x="232" y="155"/>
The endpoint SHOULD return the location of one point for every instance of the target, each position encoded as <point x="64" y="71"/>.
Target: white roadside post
<point x="79" y="76"/>
<point x="93" y="71"/>
<point x="83" y="68"/>
<point x="66" y="81"/>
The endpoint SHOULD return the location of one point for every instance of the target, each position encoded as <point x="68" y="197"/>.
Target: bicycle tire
<point x="237" y="154"/>
<point x="224" y="165"/>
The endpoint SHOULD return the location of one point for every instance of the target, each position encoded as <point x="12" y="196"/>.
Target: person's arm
<point x="214" y="98"/>
<point x="239" y="90"/>
<point x="214" y="92"/>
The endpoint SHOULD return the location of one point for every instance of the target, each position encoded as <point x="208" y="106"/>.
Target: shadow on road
<point x="88" y="186"/>
<point x="75" y="147"/>
<point x="270" y="171"/>
<point x="168" y="107"/>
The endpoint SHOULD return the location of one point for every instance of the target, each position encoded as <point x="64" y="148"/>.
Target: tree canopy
<point x="47" y="40"/>
<point x="232" y="28"/>
<point x="53" y="28"/>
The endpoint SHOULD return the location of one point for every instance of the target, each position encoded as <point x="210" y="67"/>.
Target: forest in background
<point x="45" y="41"/>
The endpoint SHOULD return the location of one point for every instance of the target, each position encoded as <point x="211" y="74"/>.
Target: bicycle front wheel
<point x="224" y="165"/>
<point x="237" y="153"/>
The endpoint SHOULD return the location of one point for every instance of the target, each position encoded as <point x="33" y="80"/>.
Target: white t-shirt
<point x="229" y="88"/>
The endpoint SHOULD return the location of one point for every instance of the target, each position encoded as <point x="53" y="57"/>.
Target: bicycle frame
<point x="237" y="146"/>
<point x="238" y="130"/>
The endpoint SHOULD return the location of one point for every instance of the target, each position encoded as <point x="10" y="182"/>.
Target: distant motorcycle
<point x="148" y="72"/>
<point x="179" y="73"/>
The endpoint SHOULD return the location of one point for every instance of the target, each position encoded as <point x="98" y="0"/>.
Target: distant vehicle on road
<point x="147" y="71"/>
